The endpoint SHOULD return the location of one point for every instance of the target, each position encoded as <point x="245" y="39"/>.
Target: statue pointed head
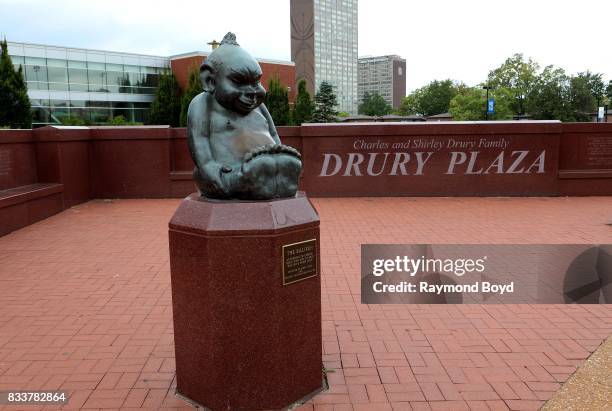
<point x="230" y="38"/>
<point x="233" y="76"/>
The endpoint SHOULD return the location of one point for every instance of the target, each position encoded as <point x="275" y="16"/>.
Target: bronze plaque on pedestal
<point x="299" y="261"/>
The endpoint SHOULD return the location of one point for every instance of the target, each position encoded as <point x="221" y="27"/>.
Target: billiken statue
<point x="231" y="135"/>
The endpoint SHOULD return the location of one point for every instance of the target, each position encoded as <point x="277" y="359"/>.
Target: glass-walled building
<point x="96" y="86"/>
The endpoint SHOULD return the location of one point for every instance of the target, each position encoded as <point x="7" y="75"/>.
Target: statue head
<point x="233" y="77"/>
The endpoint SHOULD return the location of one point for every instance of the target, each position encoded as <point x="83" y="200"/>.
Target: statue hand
<point x="214" y="180"/>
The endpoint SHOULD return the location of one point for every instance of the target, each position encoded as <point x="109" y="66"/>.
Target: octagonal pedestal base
<point x="243" y="339"/>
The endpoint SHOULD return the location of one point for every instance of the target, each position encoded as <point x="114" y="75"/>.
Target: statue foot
<point x="271" y="175"/>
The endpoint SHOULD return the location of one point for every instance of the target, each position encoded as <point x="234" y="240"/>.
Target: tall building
<point x="98" y="86"/>
<point x="385" y="75"/>
<point x="324" y="47"/>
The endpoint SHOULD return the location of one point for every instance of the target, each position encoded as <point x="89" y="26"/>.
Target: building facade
<point x="99" y="86"/>
<point x="182" y="64"/>
<point x="385" y="75"/>
<point x="93" y="85"/>
<point x="324" y="47"/>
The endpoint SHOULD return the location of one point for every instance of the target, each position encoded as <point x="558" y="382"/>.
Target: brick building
<point x="181" y="64"/>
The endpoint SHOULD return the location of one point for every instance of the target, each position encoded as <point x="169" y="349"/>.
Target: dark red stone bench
<point x="25" y="205"/>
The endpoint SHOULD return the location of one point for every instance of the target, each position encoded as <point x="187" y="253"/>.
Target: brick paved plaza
<point x="85" y="306"/>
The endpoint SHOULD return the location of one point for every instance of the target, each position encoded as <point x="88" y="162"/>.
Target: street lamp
<point x="487" y="87"/>
<point x="521" y="98"/>
<point x="214" y="44"/>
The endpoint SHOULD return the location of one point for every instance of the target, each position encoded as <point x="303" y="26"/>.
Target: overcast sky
<point x="461" y="40"/>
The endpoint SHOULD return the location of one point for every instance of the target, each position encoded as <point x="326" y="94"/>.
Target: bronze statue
<point x="231" y="135"/>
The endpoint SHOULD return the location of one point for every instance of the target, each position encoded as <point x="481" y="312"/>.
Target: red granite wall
<point x="585" y="159"/>
<point x="441" y="159"/>
<point x="24" y="196"/>
<point x="130" y="163"/>
<point x="63" y="156"/>
<point x="76" y="164"/>
<point x="17" y="158"/>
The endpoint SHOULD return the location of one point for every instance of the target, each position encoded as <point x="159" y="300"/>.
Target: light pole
<point x="521" y="98"/>
<point x="487" y="87"/>
<point x="214" y="44"/>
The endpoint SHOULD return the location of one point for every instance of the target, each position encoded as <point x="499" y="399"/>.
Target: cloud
<point x="461" y="40"/>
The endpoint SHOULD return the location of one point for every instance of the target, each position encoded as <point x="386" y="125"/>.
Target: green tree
<point x="432" y="99"/>
<point x="468" y="106"/>
<point x="518" y="76"/>
<point x="73" y="121"/>
<point x="166" y="107"/>
<point x="374" y="105"/>
<point x="325" y="104"/>
<point x="409" y="104"/>
<point x="15" y="108"/>
<point x="122" y="121"/>
<point x="194" y="87"/>
<point x="303" y="105"/>
<point x="436" y="96"/>
<point x="550" y="97"/>
<point x="609" y="92"/>
<point x="277" y="101"/>
<point x="471" y="104"/>
<point x="587" y="92"/>
<point x="118" y="121"/>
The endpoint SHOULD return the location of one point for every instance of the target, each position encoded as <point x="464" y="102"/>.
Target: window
<point x="18" y="60"/>
<point x="36" y="76"/>
<point x="97" y="80"/>
<point x="77" y="79"/>
<point x="57" y="74"/>
<point x="116" y="78"/>
<point x="100" y="115"/>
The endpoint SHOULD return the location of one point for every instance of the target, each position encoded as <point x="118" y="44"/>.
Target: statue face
<point x="238" y="87"/>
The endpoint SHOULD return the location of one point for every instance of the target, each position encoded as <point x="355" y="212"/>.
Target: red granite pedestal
<point x="246" y="336"/>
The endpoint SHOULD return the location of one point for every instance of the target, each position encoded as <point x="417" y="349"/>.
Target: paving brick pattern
<point x="85" y="307"/>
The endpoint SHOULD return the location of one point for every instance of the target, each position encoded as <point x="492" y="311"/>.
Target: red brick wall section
<point x="286" y="74"/>
<point x="181" y="68"/>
